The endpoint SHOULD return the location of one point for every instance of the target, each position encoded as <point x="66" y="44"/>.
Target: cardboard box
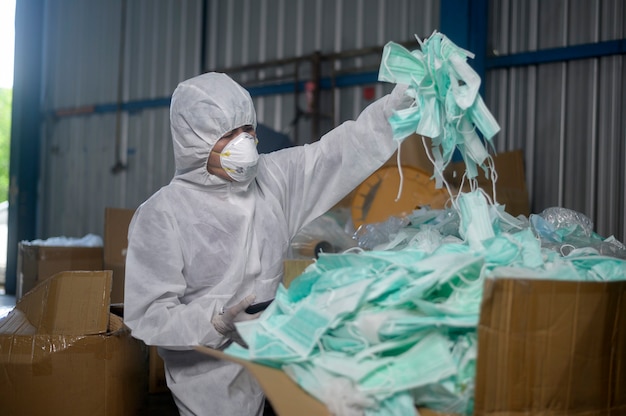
<point x="511" y="190"/>
<point x="37" y="263"/>
<point x="63" y="353"/>
<point x="294" y="268"/>
<point x="550" y="347"/>
<point x="544" y="348"/>
<point x="116" y="222"/>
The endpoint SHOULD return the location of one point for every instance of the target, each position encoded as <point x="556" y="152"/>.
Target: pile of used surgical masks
<point x="377" y="332"/>
<point x="392" y="324"/>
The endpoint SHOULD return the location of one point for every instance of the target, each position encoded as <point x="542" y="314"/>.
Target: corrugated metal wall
<point x="111" y="67"/>
<point x="568" y="116"/>
<point x="244" y="32"/>
<point x="117" y="63"/>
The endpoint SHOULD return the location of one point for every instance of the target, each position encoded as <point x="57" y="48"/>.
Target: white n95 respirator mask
<point x="239" y="158"/>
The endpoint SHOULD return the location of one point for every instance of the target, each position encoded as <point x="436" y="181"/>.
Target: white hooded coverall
<point x="201" y="242"/>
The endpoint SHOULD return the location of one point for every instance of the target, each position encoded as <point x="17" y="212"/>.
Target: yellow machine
<point x="375" y="199"/>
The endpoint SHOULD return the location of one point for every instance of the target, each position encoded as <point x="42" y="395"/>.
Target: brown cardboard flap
<point x="69" y="254"/>
<point x="287" y="397"/>
<point x="71" y="375"/>
<point x="70" y="303"/>
<point x="37" y="263"/>
<point x="70" y="366"/>
<point x="551" y="348"/>
<point x="294" y="268"/>
<point x="117" y="288"/>
<point x="16" y="323"/>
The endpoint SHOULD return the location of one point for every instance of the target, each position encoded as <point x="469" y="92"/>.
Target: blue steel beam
<point x="568" y="53"/>
<point x="24" y="158"/>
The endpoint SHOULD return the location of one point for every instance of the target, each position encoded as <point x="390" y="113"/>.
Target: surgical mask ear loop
<point x="400" y="172"/>
<point x="470" y="285"/>
<point x="355" y="250"/>
<point x="494" y="175"/>
<point x="439" y="172"/>
<point x="571" y="247"/>
<point x="353" y="330"/>
<point x="417" y="38"/>
<point x="492" y="203"/>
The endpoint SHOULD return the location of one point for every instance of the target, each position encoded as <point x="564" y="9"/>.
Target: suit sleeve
<point x="311" y="179"/>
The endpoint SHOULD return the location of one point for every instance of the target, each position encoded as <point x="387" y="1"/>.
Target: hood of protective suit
<point x="203" y="109"/>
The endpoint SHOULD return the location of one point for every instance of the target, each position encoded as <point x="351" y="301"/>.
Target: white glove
<point x="224" y="321"/>
<point x="397" y="100"/>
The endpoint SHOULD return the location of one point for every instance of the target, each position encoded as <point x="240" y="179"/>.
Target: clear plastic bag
<point x="564" y="230"/>
<point x="323" y="235"/>
<point x="370" y="236"/>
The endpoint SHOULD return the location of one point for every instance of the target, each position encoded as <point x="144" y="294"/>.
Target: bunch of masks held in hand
<point x="447" y="105"/>
<point x="379" y="332"/>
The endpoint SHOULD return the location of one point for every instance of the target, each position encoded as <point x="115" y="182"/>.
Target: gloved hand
<point x="224" y="321"/>
<point x="397" y="100"/>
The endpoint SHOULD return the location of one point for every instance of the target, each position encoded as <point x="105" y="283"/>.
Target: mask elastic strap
<point x="493" y="174"/>
<point x="468" y="283"/>
<point x="356" y="334"/>
<point x="439" y="172"/>
<point x="355" y="250"/>
<point x="220" y="154"/>
<point x="485" y="194"/>
<point x="400" y="172"/>
<point x="568" y="246"/>
<point x="493" y="203"/>
<point x="515" y="242"/>
<point x="505" y="220"/>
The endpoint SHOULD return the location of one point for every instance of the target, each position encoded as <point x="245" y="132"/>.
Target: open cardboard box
<point x="36" y="263"/>
<point x="63" y="353"/>
<point x="544" y="348"/>
<point x="511" y="190"/>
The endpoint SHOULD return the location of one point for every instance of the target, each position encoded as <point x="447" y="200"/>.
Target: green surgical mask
<point x="476" y="225"/>
<point x="400" y="66"/>
<point x="427" y="362"/>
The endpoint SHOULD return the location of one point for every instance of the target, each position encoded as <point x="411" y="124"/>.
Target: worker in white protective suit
<point x="213" y="240"/>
